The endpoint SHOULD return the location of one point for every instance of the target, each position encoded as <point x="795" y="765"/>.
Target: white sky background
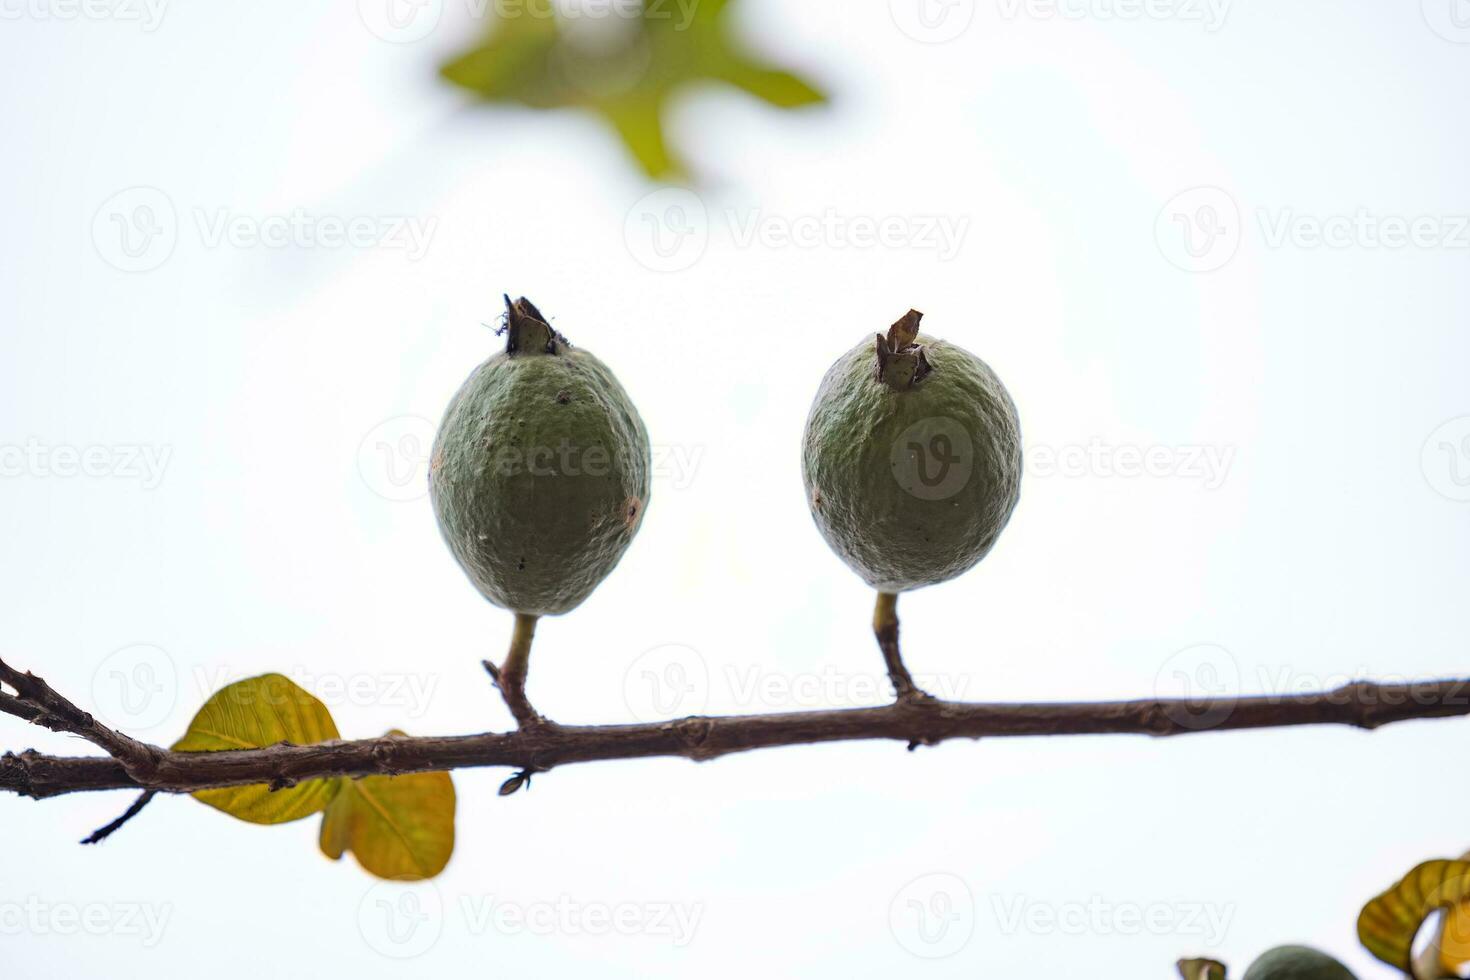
<point x="1332" y="545"/>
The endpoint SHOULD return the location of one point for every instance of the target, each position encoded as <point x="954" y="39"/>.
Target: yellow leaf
<point x="398" y="827"/>
<point x="254" y="714"/>
<point x="1388" y="924"/>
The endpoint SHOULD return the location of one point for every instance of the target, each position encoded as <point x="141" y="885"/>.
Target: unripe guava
<point x="1297" y="963"/>
<point x="912" y="459"/>
<point x="539" y="475"/>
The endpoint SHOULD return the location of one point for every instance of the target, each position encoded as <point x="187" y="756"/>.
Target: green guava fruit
<point x="1297" y="963"/>
<point x="912" y="459"/>
<point x="540" y="470"/>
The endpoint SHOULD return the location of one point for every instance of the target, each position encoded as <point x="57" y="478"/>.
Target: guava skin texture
<point x="912" y="459"/>
<point x="1297" y="963"/>
<point x="540" y="471"/>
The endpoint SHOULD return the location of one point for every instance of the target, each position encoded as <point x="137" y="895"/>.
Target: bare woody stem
<point x="1363" y="704"/>
<point x="510" y="677"/>
<point x="885" y="628"/>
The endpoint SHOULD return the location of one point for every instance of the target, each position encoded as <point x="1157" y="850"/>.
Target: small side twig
<point x="102" y="833"/>
<point x="11" y="705"/>
<point x="885" y="628"/>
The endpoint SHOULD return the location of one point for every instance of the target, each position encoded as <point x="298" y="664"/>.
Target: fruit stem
<point x="511" y="676"/>
<point x="885" y="628"/>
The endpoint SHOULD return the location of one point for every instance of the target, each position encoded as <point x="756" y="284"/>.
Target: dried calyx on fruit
<point x="901" y="362"/>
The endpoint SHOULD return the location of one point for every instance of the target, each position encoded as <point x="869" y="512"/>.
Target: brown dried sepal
<point x="901" y="362"/>
<point x="527" y="331"/>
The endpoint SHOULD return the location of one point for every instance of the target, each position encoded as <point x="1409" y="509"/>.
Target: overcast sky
<point x="1216" y="250"/>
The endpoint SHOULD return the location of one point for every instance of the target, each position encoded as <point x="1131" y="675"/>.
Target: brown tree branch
<point x="38" y="703"/>
<point x="926" y="721"/>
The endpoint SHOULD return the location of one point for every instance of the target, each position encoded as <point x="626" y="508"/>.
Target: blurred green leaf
<point x="624" y="71"/>
<point x="254" y="714"/>
<point x="399" y="827"/>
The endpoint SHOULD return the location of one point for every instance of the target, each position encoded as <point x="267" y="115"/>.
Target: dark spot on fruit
<point x="563" y="397"/>
<point x="520" y="564"/>
<point x="631" y="510"/>
<point x="816" y="498"/>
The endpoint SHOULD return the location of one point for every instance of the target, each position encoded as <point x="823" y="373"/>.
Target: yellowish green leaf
<point x="1388" y="924"/>
<point x="254" y="714"/>
<point x="399" y="827"/>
